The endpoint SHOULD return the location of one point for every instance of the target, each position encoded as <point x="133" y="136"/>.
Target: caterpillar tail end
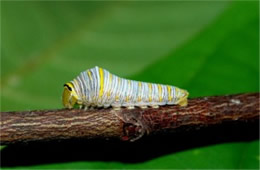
<point x="184" y="100"/>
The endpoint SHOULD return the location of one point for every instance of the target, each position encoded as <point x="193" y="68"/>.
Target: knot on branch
<point x="134" y="126"/>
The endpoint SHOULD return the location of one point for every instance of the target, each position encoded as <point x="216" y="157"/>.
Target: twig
<point x="23" y="126"/>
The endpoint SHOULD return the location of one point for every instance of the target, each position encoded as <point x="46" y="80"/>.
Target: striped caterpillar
<point x="97" y="87"/>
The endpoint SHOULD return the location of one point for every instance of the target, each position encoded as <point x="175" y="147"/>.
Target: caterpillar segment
<point x="97" y="87"/>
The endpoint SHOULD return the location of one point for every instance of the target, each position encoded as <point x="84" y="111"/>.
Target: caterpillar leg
<point x="85" y="108"/>
<point x="116" y="107"/>
<point x="81" y="106"/>
<point x="91" y="108"/>
<point x="155" y="106"/>
<point x="130" y="107"/>
<point x="143" y="107"/>
<point x="106" y="107"/>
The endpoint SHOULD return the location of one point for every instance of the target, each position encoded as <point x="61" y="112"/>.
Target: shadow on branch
<point x="148" y="148"/>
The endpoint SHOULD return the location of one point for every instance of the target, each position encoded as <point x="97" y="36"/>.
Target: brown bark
<point x="126" y="124"/>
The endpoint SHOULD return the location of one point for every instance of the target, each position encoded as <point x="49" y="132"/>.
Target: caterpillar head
<point x="69" y="97"/>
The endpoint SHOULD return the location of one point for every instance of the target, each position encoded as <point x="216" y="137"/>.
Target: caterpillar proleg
<point x="97" y="87"/>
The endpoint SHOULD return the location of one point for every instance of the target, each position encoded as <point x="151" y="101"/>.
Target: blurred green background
<point x="206" y="47"/>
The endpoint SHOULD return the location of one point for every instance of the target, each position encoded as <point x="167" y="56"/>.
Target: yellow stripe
<point x="127" y="96"/>
<point x="117" y="97"/>
<point x="169" y="93"/>
<point x="150" y="92"/>
<point x="140" y="84"/>
<point x="110" y="78"/>
<point x="89" y="74"/>
<point x="160" y="92"/>
<point x="108" y="94"/>
<point x="101" y="74"/>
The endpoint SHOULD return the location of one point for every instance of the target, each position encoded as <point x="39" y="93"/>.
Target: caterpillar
<point x="96" y="87"/>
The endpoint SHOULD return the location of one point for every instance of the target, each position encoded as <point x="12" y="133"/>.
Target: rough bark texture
<point x="126" y="124"/>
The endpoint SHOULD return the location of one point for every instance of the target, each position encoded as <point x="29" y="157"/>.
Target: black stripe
<point x="65" y="85"/>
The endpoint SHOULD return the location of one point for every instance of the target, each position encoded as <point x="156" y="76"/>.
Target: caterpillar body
<point x="97" y="87"/>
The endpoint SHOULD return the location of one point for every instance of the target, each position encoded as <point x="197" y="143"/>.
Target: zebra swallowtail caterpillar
<point x="97" y="87"/>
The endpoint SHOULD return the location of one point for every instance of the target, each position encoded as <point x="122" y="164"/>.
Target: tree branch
<point x="126" y="124"/>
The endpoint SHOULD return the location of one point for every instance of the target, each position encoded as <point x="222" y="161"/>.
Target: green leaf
<point x="46" y="44"/>
<point x="221" y="60"/>
<point x="208" y="48"/>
